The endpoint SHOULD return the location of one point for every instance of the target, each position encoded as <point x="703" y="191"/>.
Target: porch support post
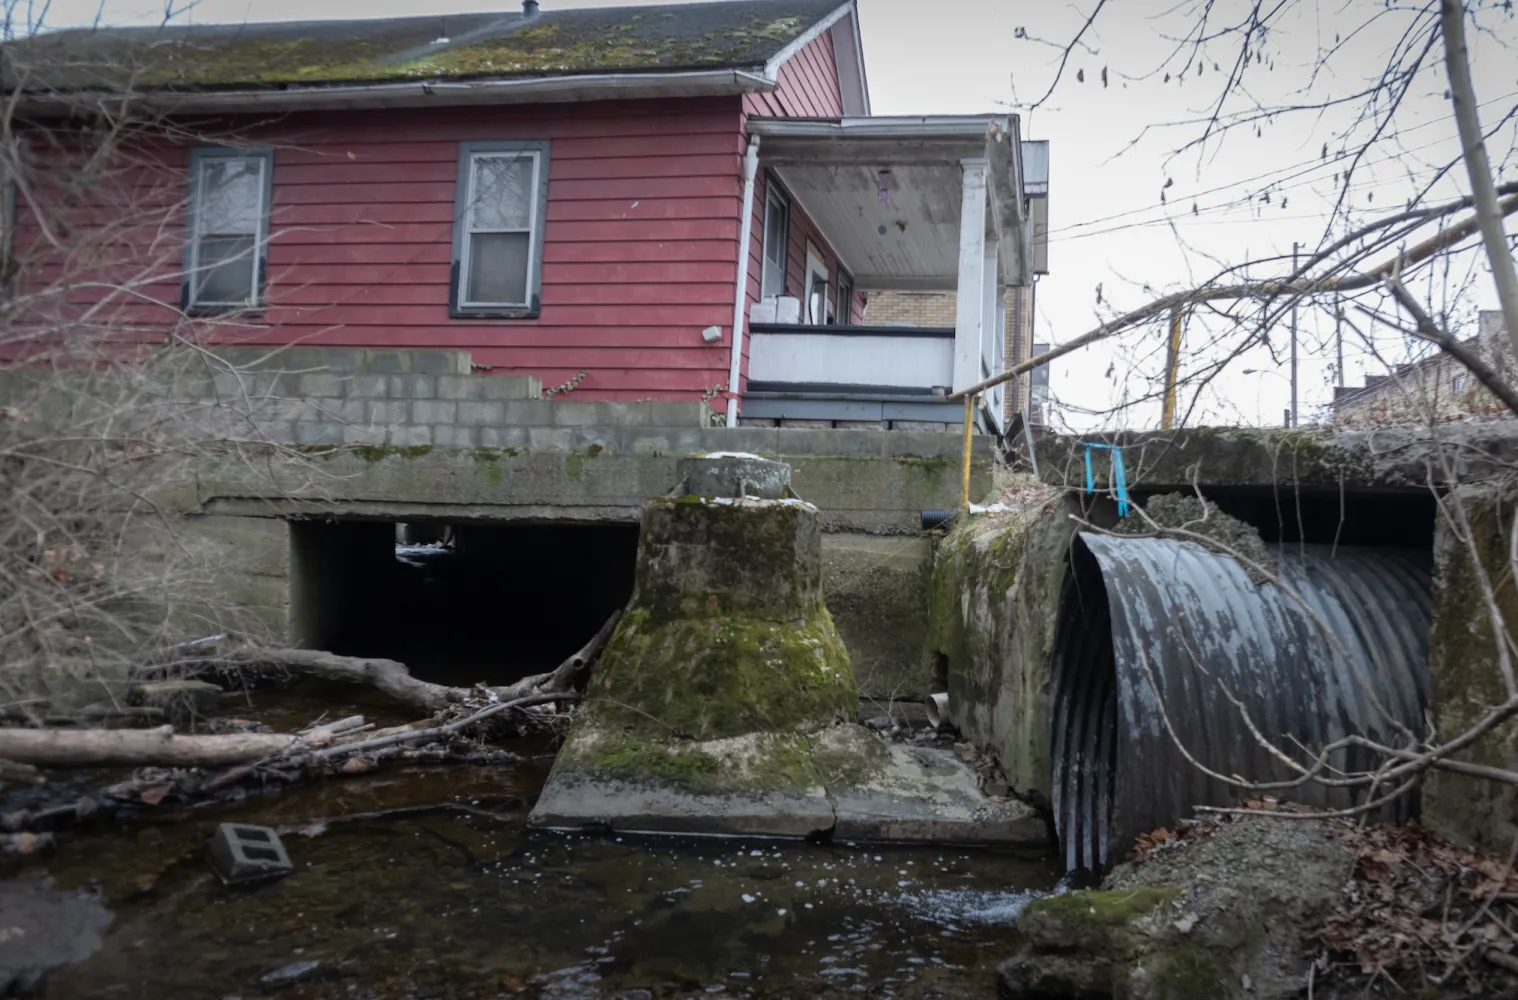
<point x="970" y="309"/>
<point x="989" y="365"/>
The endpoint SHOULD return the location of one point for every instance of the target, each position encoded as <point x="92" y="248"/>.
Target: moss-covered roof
<point x="730" y="34"/>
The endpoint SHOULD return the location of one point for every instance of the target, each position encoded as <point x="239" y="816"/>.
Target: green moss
<point x="576" y="44"/>
<point x="1095" y="908"/>
<point x="372" y="453"/>
<point x="720" y="676"/>
<point x="764" y="762"/>
<point x="681" y="764"/>
<point x="1182" y="973"/>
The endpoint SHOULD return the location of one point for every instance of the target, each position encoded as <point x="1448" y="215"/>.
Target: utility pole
<point x="1172" y="370"/>
<point x="1293" y="414"/>
<point x="1338" y="342"/>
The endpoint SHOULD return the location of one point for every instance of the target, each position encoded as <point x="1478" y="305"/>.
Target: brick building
<point x="1437" y="385"/>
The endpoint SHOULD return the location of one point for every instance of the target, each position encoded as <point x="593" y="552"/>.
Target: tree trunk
<point x="1473" y="149"/>
<point x="136" y="747"/>
<point x="389" y="676"/>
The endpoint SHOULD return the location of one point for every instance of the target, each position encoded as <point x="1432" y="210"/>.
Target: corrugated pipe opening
<point x="1156" y="628"/>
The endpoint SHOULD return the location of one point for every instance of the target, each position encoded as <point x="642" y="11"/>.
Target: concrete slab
<point x="852" y="785"/>
<point x="578" y="802"/>
<point x="928" y="794"/>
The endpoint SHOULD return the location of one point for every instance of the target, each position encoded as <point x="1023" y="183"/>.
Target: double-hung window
<point x="498" y="229"/>
<point x="777" y="236"/>
<point x="229" y="229"/>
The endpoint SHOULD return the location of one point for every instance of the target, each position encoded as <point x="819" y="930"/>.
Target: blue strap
<point x="1119" y="475"/>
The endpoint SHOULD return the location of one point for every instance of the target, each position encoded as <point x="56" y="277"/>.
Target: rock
<point x="292" y="973"/>
<point x="1232" y="908"/>
<point x="41" y="928"/>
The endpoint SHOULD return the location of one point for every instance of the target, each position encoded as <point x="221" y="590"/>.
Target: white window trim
<point x="532" y="229"/>
<point x="816" y="266"/>
<point x="774" y="194"/>
<point x="458" y="307"/>
<point x="198" y="157"/>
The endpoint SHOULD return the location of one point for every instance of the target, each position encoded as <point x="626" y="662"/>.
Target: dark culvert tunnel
<point x="472" y="602"/>
<point x="1158" y="638"/>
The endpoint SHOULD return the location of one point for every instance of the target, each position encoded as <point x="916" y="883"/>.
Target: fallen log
<point x="159" y="747"/>
<point x="389" y="676"/>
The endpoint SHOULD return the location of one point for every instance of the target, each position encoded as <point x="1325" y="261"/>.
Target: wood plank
<point x="648" y="166"/>
<point x="642" y="230"/>
<point x="702" y="249"/>
<point x="567" y="210"/>
<point x="638" y="272"/>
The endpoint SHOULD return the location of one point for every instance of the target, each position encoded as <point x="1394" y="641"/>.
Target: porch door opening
<point x="457" y="603"/>
<point x="777" y="238"/>
<point x="816" y="286"/>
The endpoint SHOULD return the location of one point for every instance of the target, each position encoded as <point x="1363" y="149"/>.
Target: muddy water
<point x="464" y="901"/>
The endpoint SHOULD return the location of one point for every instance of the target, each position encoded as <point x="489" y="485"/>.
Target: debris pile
<point x="1419" y="911"/>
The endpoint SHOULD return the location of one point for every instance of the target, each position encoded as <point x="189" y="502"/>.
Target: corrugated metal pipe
<point x="1152" y="626"/>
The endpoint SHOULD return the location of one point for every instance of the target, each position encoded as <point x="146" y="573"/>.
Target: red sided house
<point x="670" y="200"/>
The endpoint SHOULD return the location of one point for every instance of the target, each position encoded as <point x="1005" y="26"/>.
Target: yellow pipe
<point x="1172" y="369"/>
<point x="964" y="491"/>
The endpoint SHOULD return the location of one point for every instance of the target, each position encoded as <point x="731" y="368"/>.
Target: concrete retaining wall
<point x="419" y="435"/>
<point x="1464" y="675"/>
<point x="996" y="587"/>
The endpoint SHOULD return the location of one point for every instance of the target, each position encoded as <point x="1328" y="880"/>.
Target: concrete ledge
<point x="1389" y="458"/>
<point x="594" y="469"/>
<point x="578" y="803"/>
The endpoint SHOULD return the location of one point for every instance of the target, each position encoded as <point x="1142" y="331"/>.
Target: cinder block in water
<point x="242" y="853"/>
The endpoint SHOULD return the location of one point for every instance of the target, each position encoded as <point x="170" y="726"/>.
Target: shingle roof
<point x="734" y="34"/>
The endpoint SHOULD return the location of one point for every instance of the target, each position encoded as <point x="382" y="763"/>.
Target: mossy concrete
<point x="878" y="590"/>
<point x="870" y="482"/>
<point x="1227" y="915"/>
<point x="717" y="679"/>
<point x="1384" y="458"/>
<point x="840" y="782"/>
<point x="996" y="589"/>
<point x="726" y="632"/>
<point x="716" y="676"/>
<point x="1464" y="677"/>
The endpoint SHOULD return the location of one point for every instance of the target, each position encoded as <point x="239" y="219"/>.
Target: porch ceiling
<point x="887" y="192"/>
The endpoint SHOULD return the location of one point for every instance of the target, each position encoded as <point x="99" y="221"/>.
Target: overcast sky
<point x="1111" y="233"/>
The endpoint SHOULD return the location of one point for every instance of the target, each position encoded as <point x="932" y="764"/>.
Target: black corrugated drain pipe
<point x="1192" y="619"/>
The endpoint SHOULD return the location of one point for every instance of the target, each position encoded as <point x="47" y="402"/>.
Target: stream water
<point x="425" y="882"/>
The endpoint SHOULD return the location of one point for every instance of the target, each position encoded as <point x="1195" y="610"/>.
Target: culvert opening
<point x="458" y="603"/>
<point x="1156" y="642"/>
<point x="1403" y="518"/>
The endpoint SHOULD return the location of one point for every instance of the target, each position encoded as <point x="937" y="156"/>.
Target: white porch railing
<point x="907" y="358"/>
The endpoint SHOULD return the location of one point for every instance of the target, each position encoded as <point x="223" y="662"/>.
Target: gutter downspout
<point x="740" y="289"/>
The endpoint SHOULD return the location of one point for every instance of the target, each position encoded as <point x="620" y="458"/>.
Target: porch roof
<point x="886" y="192"/>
